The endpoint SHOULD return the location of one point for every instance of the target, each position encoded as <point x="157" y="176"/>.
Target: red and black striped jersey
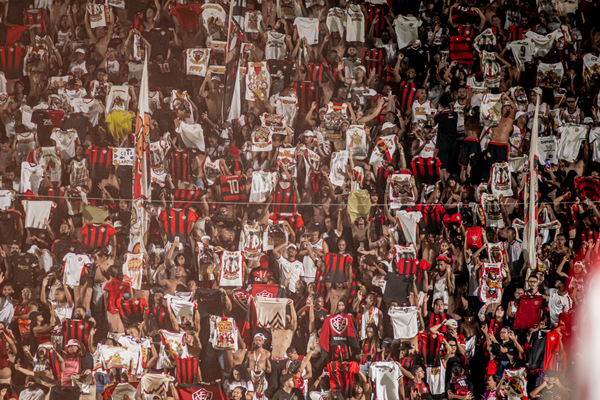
<point x="233" y="188"/>
<point x="11" y="61"/>
<point x="407" y="94"/>
<point x="426" y="170"/>
<point x="407" y="362"/>
<point x="466" y="31"/>
<point x="76" y="329"/>
<point x="96" y="235"/>
<point x="132" y="311"/>
<point x="335" y="267"/>
<point x="36" y="18"/>
<point x="315" y="72"/>
<point x="388" y="75"/>
<point x="341" y="376"/>
<point x="374" y="59"/>
<point x="407" y="266"/>
<point x="186" y="198"/>
<point x="433" y="214"/>
<point x="383" y="173"/>
<point x="158" y="318"/>
<point x="429" y="345"/>
<point x="178" y="222"/>
<point x="284" y="201"/>
<point x="307" y="92"/>
<point x="436" y="319"/>
<point x="100" y="160"/>
<point x="180" y="165"/>
<point x="56" y="195"/>
<point x="186" y="370"/>
<point x="518" y="33"/>
<point x="374" y="11"/>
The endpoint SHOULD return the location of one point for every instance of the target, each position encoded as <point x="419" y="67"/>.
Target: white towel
<point x="409" y="222"/>
<point x="501" y="179"/>
<point x="36" y="212"/>
<point x="270" y="313"/>
<point x="6" y="199"/>
<point x="338" y="168"/>
<point x="262" y="184"/>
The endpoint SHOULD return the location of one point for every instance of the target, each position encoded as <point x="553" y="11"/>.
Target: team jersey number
<point x="234" y="186"/>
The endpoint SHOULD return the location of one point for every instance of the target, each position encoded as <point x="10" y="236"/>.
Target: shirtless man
<point x="497" y="148"/>
<point x="282" y="340"/>
<point x="259" y="363"/>
<point x="102" y="261"/>
<point x="212" y="95"/>
<point x="470" y="326"/>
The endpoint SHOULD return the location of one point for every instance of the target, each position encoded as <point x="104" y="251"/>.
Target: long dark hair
<point x="242" y="371"/>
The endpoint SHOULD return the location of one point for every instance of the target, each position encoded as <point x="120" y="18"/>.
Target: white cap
<point x="520" y="114"/>
<point x="80" y="50"/>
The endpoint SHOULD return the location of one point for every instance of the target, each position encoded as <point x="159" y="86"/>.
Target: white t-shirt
<point x="386" y="375"/>
<point x="35" y="394"/>
<point x="65" y="140"/>
<point x="436" y="379"/>
<point x="73" y="267"/>
<point x="558" y="304"/>
<point x="297" y="269"/>
<point x="355" y="24"/>
<point x="407" y="30"/>
<point x="31" y="177"/>
<point x="405" y="322"/>
<point x="308" y="28"/>
<point x="275" y="48"/>
<point x="62" y="310"/>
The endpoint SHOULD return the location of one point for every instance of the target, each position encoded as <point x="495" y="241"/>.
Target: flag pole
<point x="531" y="227"/>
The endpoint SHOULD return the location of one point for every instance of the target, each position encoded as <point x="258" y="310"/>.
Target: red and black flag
<point x="200" y="392"/>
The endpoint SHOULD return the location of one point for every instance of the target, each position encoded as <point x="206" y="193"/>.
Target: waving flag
<point x="141" y="181"/>
<point x="232" y="107"/>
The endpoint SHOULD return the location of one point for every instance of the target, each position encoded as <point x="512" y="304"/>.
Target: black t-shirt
<point x="159" y="39"/>
<point x="78" y="122"/>
<point x="397" y="288"/>
<point x="8" y="226"/>
<point x="23" y="268"/>
<point x="447" y="122"/>
<point x="295" y="394"/>
<point x="15" y="11"/>
<point x="46" y="121"/>
<point x="418" y="59"/>
<point x="63" y="246"/>
<point x="281" y="69"/>
<point x="165" y="74"/>
<point x="125" y="174"/>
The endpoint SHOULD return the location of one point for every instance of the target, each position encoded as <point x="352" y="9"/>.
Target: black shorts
<point x="469" y="146"/>
<point x="446" y="153"/>
<point x="498" y="152"/>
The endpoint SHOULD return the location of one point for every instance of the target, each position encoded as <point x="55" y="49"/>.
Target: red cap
<point x="264" y="261"/>
<point x="234" y="151"/>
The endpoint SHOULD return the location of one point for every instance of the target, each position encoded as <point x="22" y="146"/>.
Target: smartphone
<point x="362" y="244"/>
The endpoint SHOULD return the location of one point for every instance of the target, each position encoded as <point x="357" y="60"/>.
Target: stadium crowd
<point x="340" y="198"/>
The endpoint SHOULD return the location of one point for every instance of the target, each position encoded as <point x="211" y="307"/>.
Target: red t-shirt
<point x="187" y="16"/>
<point x="115" y="289"/>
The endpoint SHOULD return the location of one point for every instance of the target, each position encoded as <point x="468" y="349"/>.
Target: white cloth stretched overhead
<point x="338" y="163"/>
<point x="270" y="313"/>
<point x="36" y="212"/>
<point x="192" y="135"/>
